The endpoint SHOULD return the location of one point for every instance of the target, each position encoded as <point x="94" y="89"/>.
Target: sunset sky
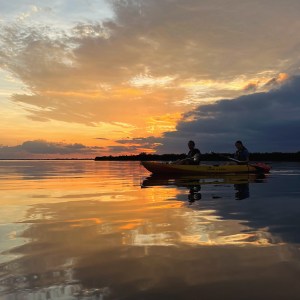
<point x="85" y="78"/>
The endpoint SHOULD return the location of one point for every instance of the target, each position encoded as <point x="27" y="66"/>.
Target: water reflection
<point x="90" y="231"/>
<point x="194" y="193"/>
<point x="240" y="183"/>
<point x="242" y="191"/>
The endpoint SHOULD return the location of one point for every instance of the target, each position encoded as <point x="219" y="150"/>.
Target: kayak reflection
<point x="194" y="184"/>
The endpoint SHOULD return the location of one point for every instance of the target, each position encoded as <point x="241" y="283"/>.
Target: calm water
<point x="106" y="230"/>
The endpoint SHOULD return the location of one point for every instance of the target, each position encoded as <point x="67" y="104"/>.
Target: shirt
<point x="194" y="155"/>
<point x="242" y="154"/>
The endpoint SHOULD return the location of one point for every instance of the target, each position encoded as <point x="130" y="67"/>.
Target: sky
<point x="86" y="78"/>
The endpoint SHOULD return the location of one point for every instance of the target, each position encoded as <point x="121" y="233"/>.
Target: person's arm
<point x="196" y="157"/>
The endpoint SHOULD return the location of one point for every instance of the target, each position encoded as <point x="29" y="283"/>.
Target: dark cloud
<point x="264" y="121"/>
<point x="136" y="145"/>
<point x="44" y="149"/>
<point x="139" y="140"/>
<point x="119" y="150"/>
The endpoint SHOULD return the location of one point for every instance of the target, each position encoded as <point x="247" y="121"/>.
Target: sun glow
<point x="157" y="125"/>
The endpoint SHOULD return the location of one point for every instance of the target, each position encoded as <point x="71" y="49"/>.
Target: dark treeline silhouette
<point x="275" y="156"/>
<point x="267" y="156"/>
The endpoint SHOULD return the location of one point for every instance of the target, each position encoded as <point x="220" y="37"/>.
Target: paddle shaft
<point x="239" y="161"/>
<point x="228" y="157"/>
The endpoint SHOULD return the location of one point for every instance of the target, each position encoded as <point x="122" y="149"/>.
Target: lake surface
<point x="108" y="230"/>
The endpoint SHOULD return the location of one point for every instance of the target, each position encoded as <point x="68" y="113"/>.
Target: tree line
<point x="256" y="156"/>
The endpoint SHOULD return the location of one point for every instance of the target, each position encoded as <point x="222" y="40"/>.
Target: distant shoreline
<point x="1" y="159"/>
<point x="272" y="156"/>
<point x="266" y="156"/>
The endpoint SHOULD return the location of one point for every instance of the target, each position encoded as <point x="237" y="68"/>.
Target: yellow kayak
<point x="166" y="168"/>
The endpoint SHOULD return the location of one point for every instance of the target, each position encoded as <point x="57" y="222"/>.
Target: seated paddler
<point x="193" y="156"/>
<point x="241" y="154"/>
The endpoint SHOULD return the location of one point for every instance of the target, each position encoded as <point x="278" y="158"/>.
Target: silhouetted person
<point x="241" y="153"/>
<point x="193" y="156"/>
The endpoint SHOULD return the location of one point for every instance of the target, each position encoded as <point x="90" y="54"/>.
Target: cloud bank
<point x="85" y="74"/>
<point x="265" y="122"/>
<point x="45" y="149"/>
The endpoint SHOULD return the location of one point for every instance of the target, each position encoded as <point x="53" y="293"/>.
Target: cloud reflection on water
<point x="101" y="230"/>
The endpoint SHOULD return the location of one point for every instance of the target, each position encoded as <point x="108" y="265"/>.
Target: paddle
<point x="228" y="157"/>
<point x="259" y="167"/>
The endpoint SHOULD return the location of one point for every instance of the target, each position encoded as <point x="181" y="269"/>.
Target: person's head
<point x="239" y="145"/>
<point x="191" y="144"/>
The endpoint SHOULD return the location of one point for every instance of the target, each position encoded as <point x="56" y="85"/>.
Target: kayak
<point x="167" y="168"/>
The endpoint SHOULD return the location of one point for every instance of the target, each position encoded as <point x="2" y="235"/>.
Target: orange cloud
<point x="264" y="82"/>
<point x="158" y="125"/>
